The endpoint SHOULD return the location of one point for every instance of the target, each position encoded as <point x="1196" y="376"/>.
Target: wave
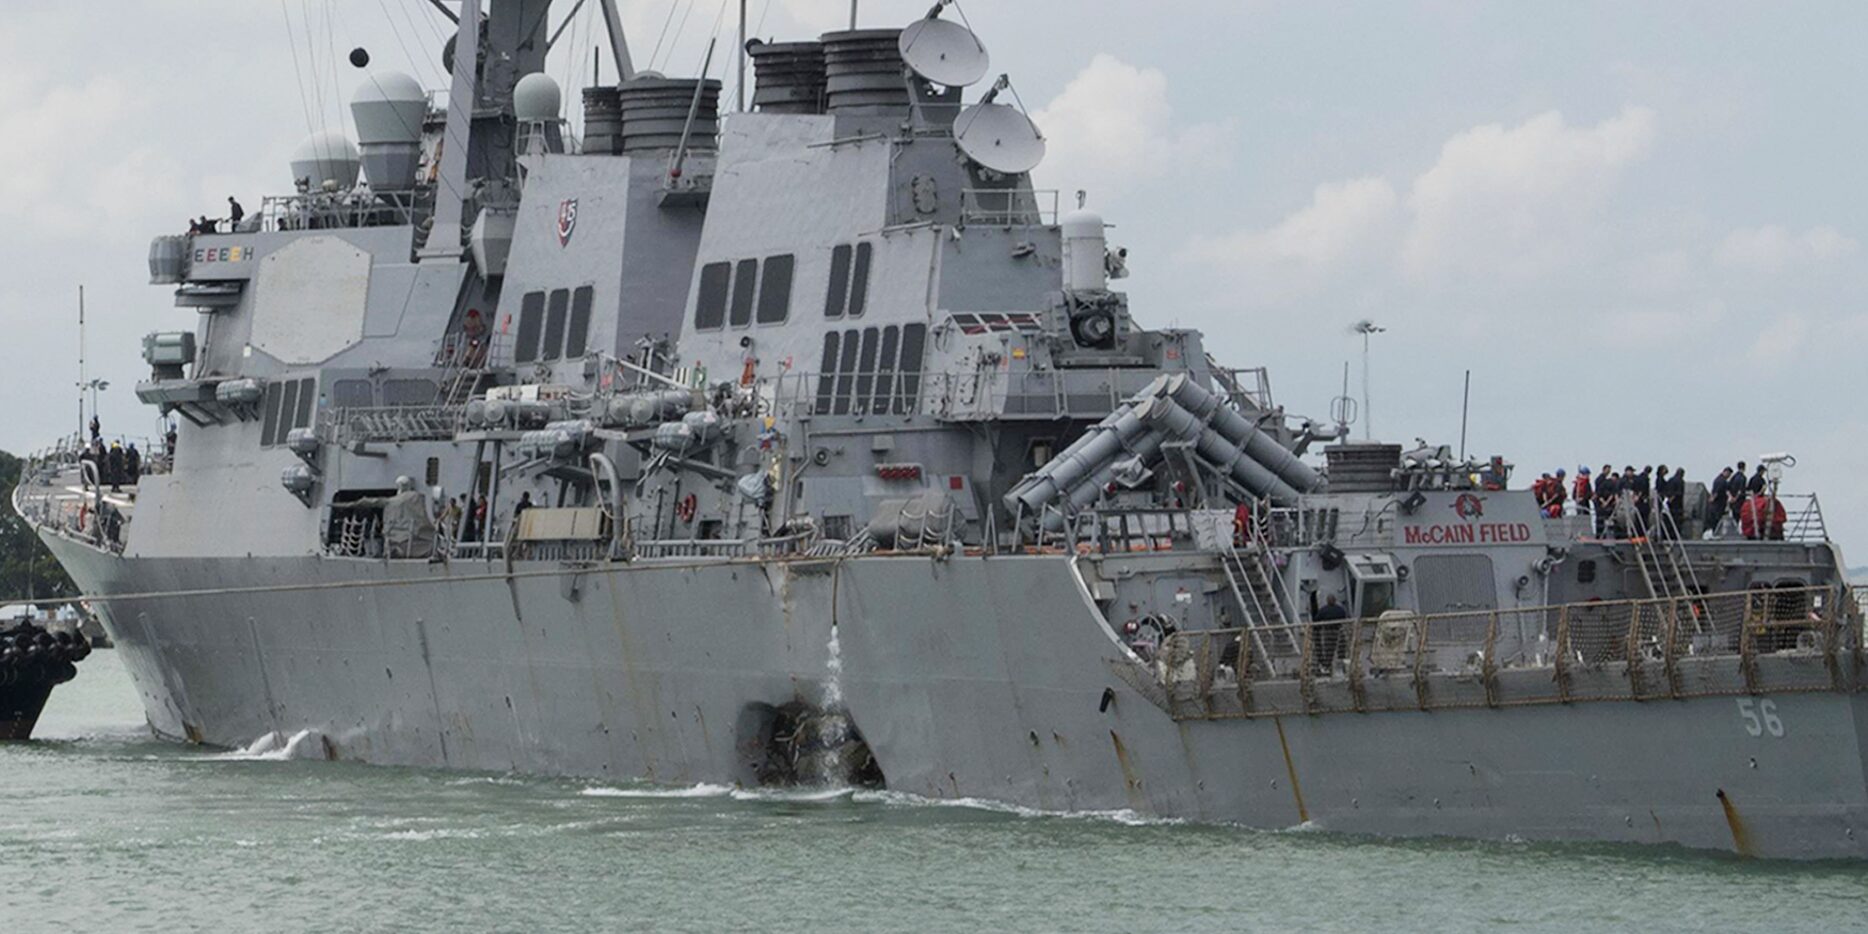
<point x="277" y="747"/>
<point x="795" y="794"/>
<point x="692" y="791"/>
<point x="1125" y="816"/>
<point x="436" y="834"/>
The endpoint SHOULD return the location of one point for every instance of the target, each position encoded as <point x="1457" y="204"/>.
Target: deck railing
<point x="1749" y="642"/>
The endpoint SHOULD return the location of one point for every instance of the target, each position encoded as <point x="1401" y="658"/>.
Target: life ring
<point x="685" y="509"/>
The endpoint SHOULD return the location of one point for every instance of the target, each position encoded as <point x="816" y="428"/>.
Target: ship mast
<point x="619" y="44"/>
<point x="494" y="48"/>
<point x="81" y="363"/>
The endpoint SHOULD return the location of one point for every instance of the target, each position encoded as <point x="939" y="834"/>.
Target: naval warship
<point x="810" y="442"/>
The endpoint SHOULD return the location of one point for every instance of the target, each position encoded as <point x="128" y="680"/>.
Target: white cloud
<point x="1518" y="200"/>
<point x="1499" y="204"/>
<point x="1111" y="129"/>
<point x="1772" y="248"/>
<point x="1780" y="342"/>
<point x="1342" y="220"/>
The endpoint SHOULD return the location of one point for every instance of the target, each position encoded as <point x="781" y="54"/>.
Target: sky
<point x="1640" y="226"/>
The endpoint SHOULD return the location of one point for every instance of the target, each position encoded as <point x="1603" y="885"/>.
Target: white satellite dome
<point x="328" y="157"/>
<point x="389" y="108"/>
<point x="537" y="97"/>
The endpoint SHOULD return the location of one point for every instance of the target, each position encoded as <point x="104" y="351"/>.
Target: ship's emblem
<point x="1468" y="506"/>
<point x="567" y="220"/>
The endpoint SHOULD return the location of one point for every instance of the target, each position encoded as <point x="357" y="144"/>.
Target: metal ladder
<point x="1254" y="586"/>
<point x="1666" y="568"/>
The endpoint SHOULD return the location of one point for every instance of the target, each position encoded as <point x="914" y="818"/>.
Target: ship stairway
<point x="1252" y="574"/>
<point x="1667" y="570"/>
<point x="458" y="384"/>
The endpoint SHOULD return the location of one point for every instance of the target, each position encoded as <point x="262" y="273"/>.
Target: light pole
<point x="81" y="363"/>
<point x="94" y="386"/>
<point x="1365" y="327"/>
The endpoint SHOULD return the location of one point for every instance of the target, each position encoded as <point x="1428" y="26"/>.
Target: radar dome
<point x="389" y="108"/>
<point x="537" y="97"/>
<point x="328" y="157"/>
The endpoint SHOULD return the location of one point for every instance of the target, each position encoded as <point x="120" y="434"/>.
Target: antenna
<point x="947" y="54"/>
<point x="80" y="363"/>
<point x="1343" y="407"/>
<point x="999" y="136"/>
<point x="1465" y="408"/>
<point x="1365" y="327"/>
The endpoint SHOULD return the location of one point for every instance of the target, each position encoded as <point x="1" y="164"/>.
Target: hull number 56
<point x="1760" y="716"/>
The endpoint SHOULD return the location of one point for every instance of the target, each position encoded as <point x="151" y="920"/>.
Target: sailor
<point x="1326" y="633"/>
<point x="133" y="464"/>
<point x="234" y="213"/>
<point x="519" y="508"/>
<point x="1558" y="493"/>
<point x="451" y="516"/>
<point x="96" y="429"/>
<point x="207" y="224"/>
<point x="1757" y="483"/>
<point x="1719" y="495"/>
<point x="1676" y="499"/>
<point x="113" y="468"/>
<point x="85" y="456"/>
<point x="1540" y="492"/>
<point x="1658" y="502"/>
<point x="1643" y="499"/>
<point x="1606" y="488"/>
<point x="474" y="329"/>
<point x="1583" y="493"/>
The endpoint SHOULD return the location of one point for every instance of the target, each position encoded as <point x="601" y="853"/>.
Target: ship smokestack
<point x="655" y="113"/>
<point x="788" y="77"/>
<point x="863" y="73"/>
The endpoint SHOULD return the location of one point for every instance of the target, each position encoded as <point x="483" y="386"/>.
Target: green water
<point x="102" y="829"/>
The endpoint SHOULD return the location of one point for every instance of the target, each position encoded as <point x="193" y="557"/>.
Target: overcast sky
<point x="1640" y="225"/>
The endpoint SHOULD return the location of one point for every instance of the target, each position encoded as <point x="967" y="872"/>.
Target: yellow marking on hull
<point x="1290" y="768"/>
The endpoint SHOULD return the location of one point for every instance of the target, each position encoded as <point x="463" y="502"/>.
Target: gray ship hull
<point x="972" y="676"/>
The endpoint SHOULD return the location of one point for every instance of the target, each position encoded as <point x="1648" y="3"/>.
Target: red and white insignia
<point x="567" y="220"/>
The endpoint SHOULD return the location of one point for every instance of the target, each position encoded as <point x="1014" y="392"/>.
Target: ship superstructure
<point x="812" y="443"/>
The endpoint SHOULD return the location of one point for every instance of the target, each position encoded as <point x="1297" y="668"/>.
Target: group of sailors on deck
<point x="207" y="225"/>
<point x="1653" y="501"/>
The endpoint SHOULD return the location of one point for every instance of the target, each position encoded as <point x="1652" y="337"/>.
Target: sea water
<point x="104" y="829"/>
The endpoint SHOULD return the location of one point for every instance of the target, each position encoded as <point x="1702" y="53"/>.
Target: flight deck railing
<point x="1782" y="640"/>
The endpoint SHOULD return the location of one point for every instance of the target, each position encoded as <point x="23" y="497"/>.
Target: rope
<point x="298" y="71"/>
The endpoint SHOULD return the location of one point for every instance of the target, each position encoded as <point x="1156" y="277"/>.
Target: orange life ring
<point x="685" y="509"/>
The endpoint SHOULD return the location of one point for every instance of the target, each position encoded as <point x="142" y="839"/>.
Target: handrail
<point x="1754" y="641"/>
<point x="1009" y="207"/>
